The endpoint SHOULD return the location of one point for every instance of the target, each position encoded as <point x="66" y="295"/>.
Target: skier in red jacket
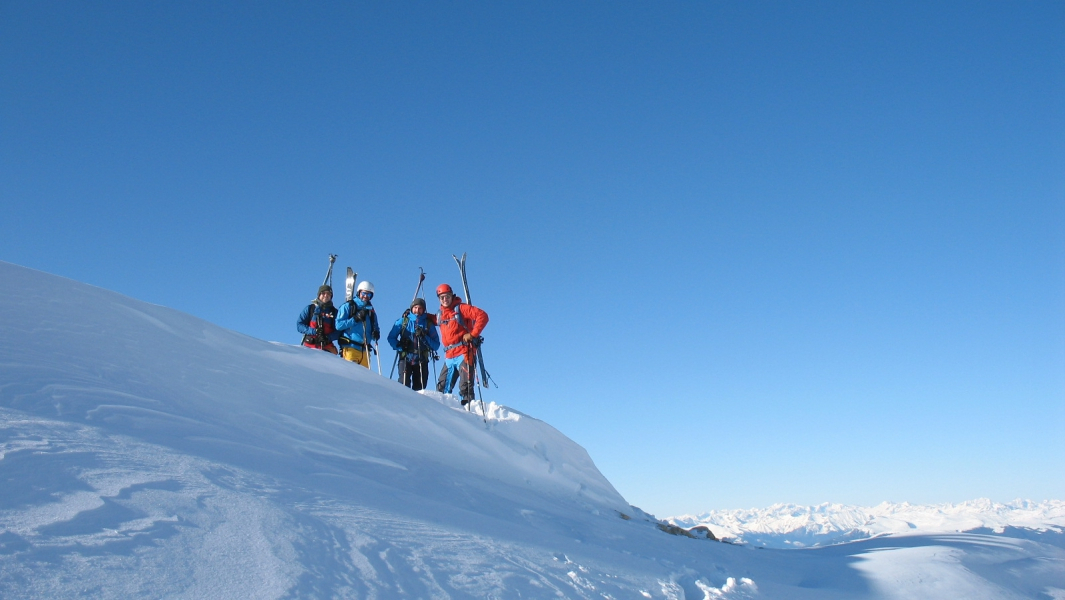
<point x="460" y="333"/>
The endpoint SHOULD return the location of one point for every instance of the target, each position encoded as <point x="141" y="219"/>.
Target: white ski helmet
<point x="365" y="286"/>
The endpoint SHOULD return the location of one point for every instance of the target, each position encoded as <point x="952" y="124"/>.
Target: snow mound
<point x="137" y="369"/>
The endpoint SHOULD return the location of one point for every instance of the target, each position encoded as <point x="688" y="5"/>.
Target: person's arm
<point x="432" y="335"/>
<point x="345" y="320"/>
<point x="393" y="336"/>
<point x="476" y="318"/>
<point x="303" y="324"/>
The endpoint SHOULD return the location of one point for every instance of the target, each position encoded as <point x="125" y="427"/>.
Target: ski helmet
<point x="365" y="286"/>
<point x="444" y="288"/>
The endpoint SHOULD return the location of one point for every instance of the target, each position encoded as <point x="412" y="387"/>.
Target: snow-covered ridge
<point x="792" y="526"/>
<point x="145" y="453"/>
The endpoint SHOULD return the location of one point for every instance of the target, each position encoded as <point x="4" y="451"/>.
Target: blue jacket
<point x="418" y="334"/>
<point x="355" y="332"/>
<point x="313" y="313"/>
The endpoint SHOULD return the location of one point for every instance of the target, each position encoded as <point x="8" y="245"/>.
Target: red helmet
<point x="443" y="288"/>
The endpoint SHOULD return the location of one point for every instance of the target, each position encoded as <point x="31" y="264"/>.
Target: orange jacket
<point x="473" y="322"/>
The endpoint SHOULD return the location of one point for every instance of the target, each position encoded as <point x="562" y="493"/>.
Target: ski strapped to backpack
<point x="349" y="285"/>
<point x="329" y="274"/>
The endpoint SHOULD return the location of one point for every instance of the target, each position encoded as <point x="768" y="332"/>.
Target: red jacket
<point x="451" y="331"/>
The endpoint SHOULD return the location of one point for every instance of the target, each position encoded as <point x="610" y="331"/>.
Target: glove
<point x="376" y="335"/>
<point x="360" y="315"/>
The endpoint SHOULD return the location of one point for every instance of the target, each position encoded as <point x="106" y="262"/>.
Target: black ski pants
<point x="414" y="374"/>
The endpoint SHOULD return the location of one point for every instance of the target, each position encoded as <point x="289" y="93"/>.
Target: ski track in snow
<point x="170" y="458"/>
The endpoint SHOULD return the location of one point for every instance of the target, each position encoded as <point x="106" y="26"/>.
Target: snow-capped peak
<point x="791" y="525"/>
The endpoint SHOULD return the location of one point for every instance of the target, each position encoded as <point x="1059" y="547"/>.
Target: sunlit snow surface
<point x="146" y="453"/>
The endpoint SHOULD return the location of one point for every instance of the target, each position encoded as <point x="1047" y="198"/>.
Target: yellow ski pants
<point x="356" y="355"/>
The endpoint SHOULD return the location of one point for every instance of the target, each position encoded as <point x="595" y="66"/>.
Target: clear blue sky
<point x="742" y="252"/>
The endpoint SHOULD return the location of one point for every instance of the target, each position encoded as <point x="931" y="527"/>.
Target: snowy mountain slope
<point x="146" y="453"/>
<point x="789" y="525"/>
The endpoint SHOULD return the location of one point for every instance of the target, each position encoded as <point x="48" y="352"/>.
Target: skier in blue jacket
<point x="317" y="322"/>
<point x="415" y="338"/>
<point x="357" y="324"/>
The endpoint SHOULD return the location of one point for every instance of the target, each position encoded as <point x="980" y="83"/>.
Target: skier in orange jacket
<point x="460" y="333"/>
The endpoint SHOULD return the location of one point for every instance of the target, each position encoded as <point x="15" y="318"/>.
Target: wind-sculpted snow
<point x="145" y="453"/>
<point x="793" y="526"/>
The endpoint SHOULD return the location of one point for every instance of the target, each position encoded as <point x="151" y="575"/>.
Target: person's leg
<point x="442" y="380"/>
<point x="420" y="376"/>
<point x="357" y="356"/>
<point x="407" y="374"/>
<point x="451" y="373"/>
<point x="466" y="382"/>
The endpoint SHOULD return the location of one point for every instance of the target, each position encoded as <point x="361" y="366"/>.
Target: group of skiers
<point x="414" y="336"/>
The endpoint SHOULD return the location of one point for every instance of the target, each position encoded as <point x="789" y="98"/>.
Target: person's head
<point x="365" y="291"/>
<point x="445" y="295"/>
<point x="418" y="306"/>
<point x="325" y="293"/>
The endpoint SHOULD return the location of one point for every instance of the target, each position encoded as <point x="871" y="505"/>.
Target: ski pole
<point x="480" y="396"/>
<point x="378" y="353"/>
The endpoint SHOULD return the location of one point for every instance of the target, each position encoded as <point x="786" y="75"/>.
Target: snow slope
<point x="789" y="525"/>
<point x="147" y="453"/>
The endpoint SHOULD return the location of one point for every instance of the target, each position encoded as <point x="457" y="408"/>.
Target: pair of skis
<point x="329" y="274"/>
<point x="349" y="283"/>
<point x="349" y="294"/>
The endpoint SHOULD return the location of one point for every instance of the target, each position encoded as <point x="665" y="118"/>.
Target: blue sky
<point x="742" y="252"/>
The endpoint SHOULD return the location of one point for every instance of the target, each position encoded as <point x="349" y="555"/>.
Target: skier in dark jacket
<point x="460" y="331"/>
<point x="358" y="327"/>
<point x="415" y="338"/>
<point x="317" y="322"/>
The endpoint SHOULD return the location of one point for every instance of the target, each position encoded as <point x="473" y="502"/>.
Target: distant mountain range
<point x="793" y="526"/>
